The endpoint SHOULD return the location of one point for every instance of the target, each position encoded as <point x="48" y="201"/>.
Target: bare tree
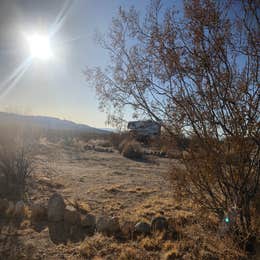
<point x="197" y="73"/>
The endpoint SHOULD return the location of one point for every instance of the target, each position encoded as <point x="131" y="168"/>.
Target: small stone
<point x="19" y="209"/>
<point x="127" y="229"/>
<point x="142" y="228"/>
<point x="3" y="205"/>
<point x="71" y="215"/>
<point x="108" y="225"/>
<point x="88" y="221"/>
<point x="56" y="208"/>
<point x="59" y="232"/>
<point x="10" y="209"/>
<point x="38" y="212"/>
<point x="159" y="224"/>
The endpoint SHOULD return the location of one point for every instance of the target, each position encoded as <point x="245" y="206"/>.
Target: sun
<point x="40" y="47"/>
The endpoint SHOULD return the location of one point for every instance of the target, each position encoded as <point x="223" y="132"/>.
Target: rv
<point x="144" y="130"/>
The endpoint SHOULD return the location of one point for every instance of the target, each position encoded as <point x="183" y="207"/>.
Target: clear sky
<point x="54" y="87"/>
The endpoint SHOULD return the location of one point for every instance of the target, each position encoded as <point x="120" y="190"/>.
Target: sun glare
<point x="40" y="46"/>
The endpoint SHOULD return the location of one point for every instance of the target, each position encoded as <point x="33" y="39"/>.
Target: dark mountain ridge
<point x="46" y="122"/>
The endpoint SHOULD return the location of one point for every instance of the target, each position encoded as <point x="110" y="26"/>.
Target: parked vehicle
<point x="144" y="130"/>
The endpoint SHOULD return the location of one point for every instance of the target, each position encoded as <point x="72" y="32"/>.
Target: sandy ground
<point x="106" y="182"/>
<point x="103" y="182"/>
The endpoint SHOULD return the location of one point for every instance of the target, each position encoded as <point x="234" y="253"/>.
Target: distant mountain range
<point x="49" y="123"/>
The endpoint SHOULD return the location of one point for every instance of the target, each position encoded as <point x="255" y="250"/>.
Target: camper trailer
<point x="144" y="130"/>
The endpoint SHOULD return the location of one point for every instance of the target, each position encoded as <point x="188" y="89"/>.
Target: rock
<point x="56" y="208"/>
<point x="142" y="228"/>
<point x="76" y="233"/>
<point x="71" y="216"/>
<point x="159" y="224"/>
<point x="38" y="212"/>
<point x="19" y="209"/>
<point x="3" y="205"/>
<point x="162" y="154"/>
<point x="108" y="225"/>
<point x="251" y="244"/>
<point x="127" y="229"/>
<point x="88" y="147"/>
<point x="59" y="232"/>
<point x="10" y="209"/>
<point x="88" y="221"/>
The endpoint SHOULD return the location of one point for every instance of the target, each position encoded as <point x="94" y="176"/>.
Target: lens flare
<point x="40" y="47"/>
<point x="227" y="219"/>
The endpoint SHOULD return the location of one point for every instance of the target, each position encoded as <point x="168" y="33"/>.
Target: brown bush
<point x="194" y="83"/>
<point x="116" y="139"/>
<point x="15" y="164"/>
<point x="132" y="150"/>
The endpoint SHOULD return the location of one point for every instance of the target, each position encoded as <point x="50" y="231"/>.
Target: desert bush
<point x="105" y="144"/>
<point x="116" y="139"/>
<point x="15" y="164"/>
<point x="95" y="245"/>
<point x="15" y="168"/>
<point x="197" y="73"/>
<point x="132" y="150"/>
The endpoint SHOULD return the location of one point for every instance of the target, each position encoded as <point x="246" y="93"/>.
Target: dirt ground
<point x="103" y="183"/>
<point x="106" y="183"/>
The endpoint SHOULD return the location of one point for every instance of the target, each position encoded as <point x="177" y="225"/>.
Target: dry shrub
<point x="97" y="245"/>
<point x="105" y="144"/>
<point x="132" y="150"/>
<point x="15" y="165"/>
<point x="131" y="253"/>
<point x="215" y="176"/>
<point x="172" y="254"/>
<point x="152" y="243"/>
<point x="201" y="78"/>
<point x="117" y="138"/>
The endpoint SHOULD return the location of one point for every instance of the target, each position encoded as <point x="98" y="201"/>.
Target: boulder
<point x="56" y="208"/>
<point x="38" y="212"/>
<point x="159" y="224"/>
<point x="19" y="209"/>
<point x="142" y="228"/>
<point x="127" y="229"/>
<point x="3" y="205"/>
<point x="108" y="225"/>
<point x="71" y="215"/>
<point x="88" y="221"/>
<point x="59" y="232"/>
<point x="76" y="233"/>
<point x="10" y="209"/>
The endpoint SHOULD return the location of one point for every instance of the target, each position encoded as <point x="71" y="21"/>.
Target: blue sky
<point x="55" y="87"/>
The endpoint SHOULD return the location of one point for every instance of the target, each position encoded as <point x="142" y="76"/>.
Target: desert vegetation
<point x="15" y="163"/>
<point x="119" y="207"/>
<point x="198" y="76"/>
<point x="193" y="192"/>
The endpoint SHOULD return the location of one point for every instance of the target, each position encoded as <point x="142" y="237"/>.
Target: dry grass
<point x="15" y="163"/>
<point x="132" y="191"/>
<point x="97" y="245"/>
